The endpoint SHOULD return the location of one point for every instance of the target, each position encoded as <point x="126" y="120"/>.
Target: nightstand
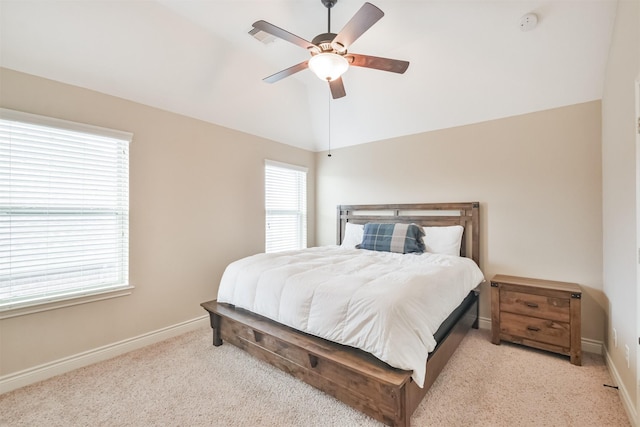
<point x="543" y="314"/>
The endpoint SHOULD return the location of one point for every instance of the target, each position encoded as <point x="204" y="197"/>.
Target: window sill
<point x="68" y="302"/>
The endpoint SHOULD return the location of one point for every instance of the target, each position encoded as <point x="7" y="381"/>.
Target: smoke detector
<point x="528" y="22"/>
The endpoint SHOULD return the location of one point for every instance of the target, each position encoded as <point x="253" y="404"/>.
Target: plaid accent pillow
<point x="400" y="238"/>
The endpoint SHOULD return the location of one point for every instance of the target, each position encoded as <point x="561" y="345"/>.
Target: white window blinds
<point x="64" y="209"/>
<point x="286" y="207"/>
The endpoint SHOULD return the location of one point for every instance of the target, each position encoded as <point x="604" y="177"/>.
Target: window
<point x="64" y="210"/>
<point x="285" y="206"/>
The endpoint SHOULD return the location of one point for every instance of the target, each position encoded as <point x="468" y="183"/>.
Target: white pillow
<point x="352" y="235"/>
<point x="443" y="240"/>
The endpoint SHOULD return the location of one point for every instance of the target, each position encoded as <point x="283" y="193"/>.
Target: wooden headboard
<point x="424" y="214"/>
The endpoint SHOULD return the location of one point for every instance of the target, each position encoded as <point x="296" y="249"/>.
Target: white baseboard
<point x="587" y="345"/>
<point x="42" y="372"/>
<point x="592" y="346"/>
<point x="627" y="403"/>
<point x="484" y="323"/>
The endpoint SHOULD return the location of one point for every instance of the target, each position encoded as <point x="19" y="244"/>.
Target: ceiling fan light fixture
<point x="328" y="66"/>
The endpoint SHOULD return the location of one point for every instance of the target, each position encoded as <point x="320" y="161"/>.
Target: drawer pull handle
<point x="531" y="304"/>
<point x="533" y="328"/>
<point x="257" y="336"/>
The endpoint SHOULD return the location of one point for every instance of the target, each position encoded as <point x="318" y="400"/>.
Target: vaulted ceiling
<point x="470" y="61"/>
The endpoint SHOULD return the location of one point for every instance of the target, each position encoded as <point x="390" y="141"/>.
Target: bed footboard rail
<point x="353" y="376"/>
<point x="350" y="375"/>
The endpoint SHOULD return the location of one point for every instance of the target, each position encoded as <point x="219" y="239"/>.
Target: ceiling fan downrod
<point x="329" y="4"/>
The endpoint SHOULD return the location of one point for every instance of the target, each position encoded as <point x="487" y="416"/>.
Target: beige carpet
<point x="185" y="381"/>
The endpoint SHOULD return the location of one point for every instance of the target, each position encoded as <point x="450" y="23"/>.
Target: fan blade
<point x="384" y="64"/>
<point x="287" y="72"/>
<point x="284" y="35"/>
<point x="337" y="88"/>
<point x="361" y="22"/>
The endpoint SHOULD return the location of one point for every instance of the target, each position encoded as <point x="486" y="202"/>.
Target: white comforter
<point x="387" y="304"/>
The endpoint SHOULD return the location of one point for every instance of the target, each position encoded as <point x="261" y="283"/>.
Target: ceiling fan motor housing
<point x="324" y="42"/>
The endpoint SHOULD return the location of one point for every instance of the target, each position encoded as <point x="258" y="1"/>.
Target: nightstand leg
<point x="495" y="313"/>
<point x="576" y="359"/>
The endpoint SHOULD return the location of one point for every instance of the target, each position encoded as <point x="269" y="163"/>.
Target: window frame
<point x="301" y="211"/>
<point x="119" y="287"/>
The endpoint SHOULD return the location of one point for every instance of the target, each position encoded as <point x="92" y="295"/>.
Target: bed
<point x="353" y="375"/>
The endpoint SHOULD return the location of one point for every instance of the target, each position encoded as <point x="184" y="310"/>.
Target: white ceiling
<point x="470" y="62"/>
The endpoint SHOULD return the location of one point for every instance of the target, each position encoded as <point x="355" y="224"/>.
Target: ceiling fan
<point x="329" y="56"/>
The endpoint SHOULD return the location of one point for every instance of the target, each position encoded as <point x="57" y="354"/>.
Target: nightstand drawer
<point x="536" y="329"/>
<point x="534" y="305"/>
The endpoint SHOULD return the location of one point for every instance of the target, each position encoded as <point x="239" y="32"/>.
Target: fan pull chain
<point x="329" y="98"/>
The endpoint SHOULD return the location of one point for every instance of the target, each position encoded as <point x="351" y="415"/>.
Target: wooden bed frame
<point x="353" y="376"/>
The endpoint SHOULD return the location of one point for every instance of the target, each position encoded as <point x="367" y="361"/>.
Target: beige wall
<point x="196" y="197"/>
<point x="620" y="204"/>
<point x="537" y="178"/>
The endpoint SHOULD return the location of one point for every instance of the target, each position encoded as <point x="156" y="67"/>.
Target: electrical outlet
<point x="626" y="354"/>
<point x="615" y="338"/>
